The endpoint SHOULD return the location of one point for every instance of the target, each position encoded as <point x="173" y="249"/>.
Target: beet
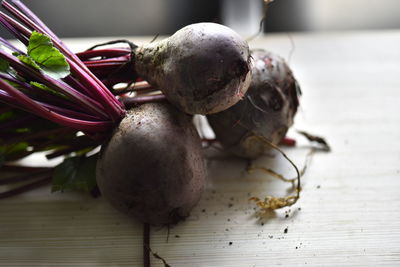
<point x="267" y="109"/>
<point x="153" y="167"/>
<point x="203" y="68"/>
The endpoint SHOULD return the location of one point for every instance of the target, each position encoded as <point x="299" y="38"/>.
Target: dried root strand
<point x="279" y="176"/>
<point x="274" y="203"/>
<point x="271" y="202"/>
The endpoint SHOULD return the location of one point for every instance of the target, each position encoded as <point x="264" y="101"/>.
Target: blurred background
<point x="88" y="18"/>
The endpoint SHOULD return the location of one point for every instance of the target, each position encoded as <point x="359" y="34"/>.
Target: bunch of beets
<point x="137" y="103"/>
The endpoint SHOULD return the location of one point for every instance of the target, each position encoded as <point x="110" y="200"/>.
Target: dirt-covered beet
<point x="267" y="109"/>
<point x="153" y="167"/>
<point x="203" y="68"/>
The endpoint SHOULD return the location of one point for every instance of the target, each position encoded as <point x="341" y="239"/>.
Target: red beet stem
<point x="23" y="100"/>
<point x="78" y="69"/>
<point x="288" y="141"/>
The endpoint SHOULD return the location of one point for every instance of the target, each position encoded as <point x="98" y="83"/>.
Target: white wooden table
<point x="349" y="211"/>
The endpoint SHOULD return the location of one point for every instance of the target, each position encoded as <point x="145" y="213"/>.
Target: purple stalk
<point x="68" y="112"/>
<point x="106" y="67"/>
<point x="6" y="98"/>
<point x="69" y="79"/>
<point x="9" y="100"/>
<point x="11" y="25"/>
<point x="40" y="95"/>
<point x="134" y="101"/>
<point x="86" y="126"/>
<point x="104" y="53"/>
<point x="13" y="30"/>
<point x="117" y="61"/>
<point x="79" y="86"/>
<point x="77" y="67"/>
<point x="116" y="112"/>
<point x="32" y="16"/>
<point x="56" y="85"/>
<point x="16" y="28"/>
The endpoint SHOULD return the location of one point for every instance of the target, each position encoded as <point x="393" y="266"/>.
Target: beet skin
<point x="267" y="109"/>
<point x="153" y="167"/>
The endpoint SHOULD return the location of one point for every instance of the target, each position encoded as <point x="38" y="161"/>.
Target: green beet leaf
<point x="47" y="89"/>
<point x="6" y="115"/>
<point x="50" y="60"/>
<point x="12" y="151"/>
<point x="4" y="65"/>
<point x="75" y="174"/>
<point x="29" y="61"/>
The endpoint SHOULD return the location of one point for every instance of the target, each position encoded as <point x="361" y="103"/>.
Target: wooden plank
<point x="349" y="211"/>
